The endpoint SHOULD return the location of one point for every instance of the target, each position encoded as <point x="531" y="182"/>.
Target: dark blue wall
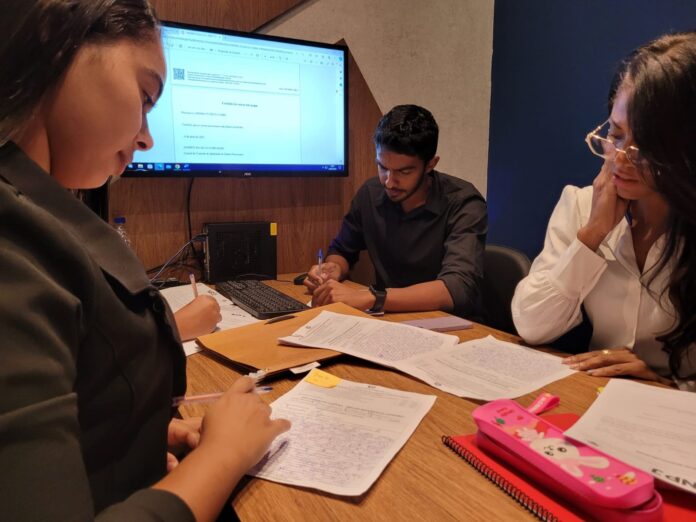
<point x="553" y="61"/>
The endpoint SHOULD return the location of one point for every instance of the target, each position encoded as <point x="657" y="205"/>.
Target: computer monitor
<point x="247" y="105"/>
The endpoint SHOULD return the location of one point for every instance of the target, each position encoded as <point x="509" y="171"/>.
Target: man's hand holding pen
<point x="315" y="278"/>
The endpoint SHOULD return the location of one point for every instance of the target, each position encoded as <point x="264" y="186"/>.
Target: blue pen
<point x="320" y="261"/>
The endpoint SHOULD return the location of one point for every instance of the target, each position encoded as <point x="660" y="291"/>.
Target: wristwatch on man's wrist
<point x="380" y="297"/>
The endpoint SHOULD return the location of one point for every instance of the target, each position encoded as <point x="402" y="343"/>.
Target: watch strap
<point x="380" y="298"/>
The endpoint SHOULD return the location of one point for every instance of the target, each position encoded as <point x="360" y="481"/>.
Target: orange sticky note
<point x="322" y="378"/>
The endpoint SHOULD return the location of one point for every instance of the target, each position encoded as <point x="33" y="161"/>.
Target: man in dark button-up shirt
<point x="424" y="230"/>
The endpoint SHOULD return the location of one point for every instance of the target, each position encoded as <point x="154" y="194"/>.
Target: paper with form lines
<point x="341" y="437"/>
<point x="485" y="369"/>
<point x="232" y="316"/>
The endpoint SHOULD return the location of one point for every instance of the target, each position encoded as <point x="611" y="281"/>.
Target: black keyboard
<point x="259" y="299"/>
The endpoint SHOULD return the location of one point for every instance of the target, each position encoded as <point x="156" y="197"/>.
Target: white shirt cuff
<point x="577" y="270"/>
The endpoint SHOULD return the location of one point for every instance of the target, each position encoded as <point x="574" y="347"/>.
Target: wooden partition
<point x="308" y="210"/>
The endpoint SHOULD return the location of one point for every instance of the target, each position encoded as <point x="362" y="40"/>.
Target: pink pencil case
<point x="597" y="483"/>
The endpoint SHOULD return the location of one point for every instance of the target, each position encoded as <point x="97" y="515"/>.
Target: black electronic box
<point x="240" y="251"/>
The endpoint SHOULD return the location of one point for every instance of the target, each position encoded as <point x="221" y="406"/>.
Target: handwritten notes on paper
<point x="484" y="369"/>
<point x="342" y="437"/>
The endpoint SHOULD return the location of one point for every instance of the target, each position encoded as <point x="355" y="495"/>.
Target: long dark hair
<point x="662" y="117"/>
<point x="40" y="39"/>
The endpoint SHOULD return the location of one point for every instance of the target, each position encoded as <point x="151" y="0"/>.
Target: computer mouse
<point x="300" y="279"/>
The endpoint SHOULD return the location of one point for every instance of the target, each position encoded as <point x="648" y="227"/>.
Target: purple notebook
<point x="442" y="324"/>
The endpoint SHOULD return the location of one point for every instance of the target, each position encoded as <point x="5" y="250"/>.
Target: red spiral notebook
<point x="541" y="502"/>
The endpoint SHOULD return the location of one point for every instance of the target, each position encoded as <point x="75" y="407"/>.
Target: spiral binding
<point x="501" y="482"/>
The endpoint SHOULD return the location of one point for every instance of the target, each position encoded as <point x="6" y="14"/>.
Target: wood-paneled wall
<point x="308" y="210"/>
<point x="240" y="15"/>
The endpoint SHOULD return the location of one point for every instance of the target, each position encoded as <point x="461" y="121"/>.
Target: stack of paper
<point x="485" y="369"/>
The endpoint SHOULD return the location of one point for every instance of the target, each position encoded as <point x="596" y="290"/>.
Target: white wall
<point x="436" y="54"/>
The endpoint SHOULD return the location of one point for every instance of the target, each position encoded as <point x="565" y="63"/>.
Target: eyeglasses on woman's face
<point x="605" y="146"/>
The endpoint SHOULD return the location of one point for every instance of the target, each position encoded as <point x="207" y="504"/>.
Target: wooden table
<point x="425" y="481"/>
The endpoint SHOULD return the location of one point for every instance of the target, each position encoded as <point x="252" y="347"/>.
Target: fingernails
<point x="574" y="366"/>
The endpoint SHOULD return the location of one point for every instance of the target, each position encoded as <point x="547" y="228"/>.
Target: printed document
<point x="487" y="369"/>
<point x="649" y="427"/>
<point x="381" y="342"/>
<point x="484" y="369"/>
<point x="232" y="316"/>
<point x="343" y="433"/>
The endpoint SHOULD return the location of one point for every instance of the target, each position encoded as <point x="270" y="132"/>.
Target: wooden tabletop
<point x="425" y="480"/>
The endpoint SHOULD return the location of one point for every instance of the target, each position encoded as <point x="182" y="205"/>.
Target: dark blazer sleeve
<point x="42" y="319"/>
<point x="462" y="264"/>
<point x="148" y="505"/>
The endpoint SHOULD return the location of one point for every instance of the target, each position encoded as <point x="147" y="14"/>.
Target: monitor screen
<point x="246" y="105"/>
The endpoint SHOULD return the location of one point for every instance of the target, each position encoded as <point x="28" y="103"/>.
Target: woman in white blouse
<point x="625" y="247"/>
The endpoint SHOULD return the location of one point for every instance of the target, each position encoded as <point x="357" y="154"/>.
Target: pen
<point x="192" y="278"/>
<point x="320" y="261"/>
<point x="209" y="397"/>
<point x="183" y="399"/>
<point x="279" y="318"/>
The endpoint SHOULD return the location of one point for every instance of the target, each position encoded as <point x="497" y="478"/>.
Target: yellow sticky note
<point x="274" y="229"/>
<point x="322" y="378"/>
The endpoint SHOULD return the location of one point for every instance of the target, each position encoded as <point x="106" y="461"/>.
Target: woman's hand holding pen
<point x="235" y="434"/>
<point x="315" y="278"/>
<point x="199" y="317"/>
<point x="241" y="416"/>
<point x="607" y="209"/>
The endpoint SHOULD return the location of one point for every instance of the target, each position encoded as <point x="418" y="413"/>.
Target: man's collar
<point x="435" y="201"/>
<point x="96" y="236"/>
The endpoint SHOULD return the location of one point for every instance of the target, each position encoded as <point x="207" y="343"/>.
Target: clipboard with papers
<point x="255" y="347"/>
